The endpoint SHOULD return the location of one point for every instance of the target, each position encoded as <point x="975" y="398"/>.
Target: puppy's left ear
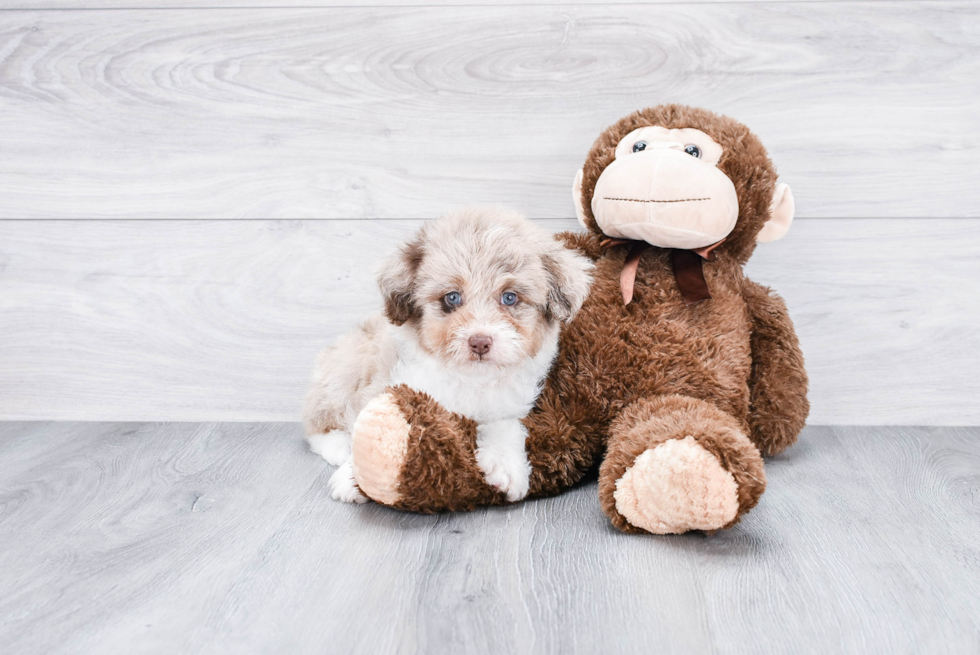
<point x="396" y="280"/>
<point x="569" y="279"/>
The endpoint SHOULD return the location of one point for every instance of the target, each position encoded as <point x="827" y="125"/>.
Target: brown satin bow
<point x="687" y="265"/>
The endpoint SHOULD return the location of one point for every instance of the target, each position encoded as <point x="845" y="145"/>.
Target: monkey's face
<point x="664" y="188"/>
<point x="675" y="177"/>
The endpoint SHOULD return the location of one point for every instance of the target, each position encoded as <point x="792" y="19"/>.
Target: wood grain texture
<point x="869" y="108"/>
<point x="221" y="320"/>
<point x="16" y="5"/>
<point x="219" y="538"/>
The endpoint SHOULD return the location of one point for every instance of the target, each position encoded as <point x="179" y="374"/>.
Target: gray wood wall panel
<point x="188" y="538"/>
<point x="868" y="108"/>
<point x="288" y="4"/>
<point x="193" y="320"/>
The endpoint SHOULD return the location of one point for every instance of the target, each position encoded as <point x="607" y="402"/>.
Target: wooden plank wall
<point x="324" y="134"/>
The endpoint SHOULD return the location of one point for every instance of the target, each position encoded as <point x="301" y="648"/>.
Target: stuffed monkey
<point x="678" y="375"/>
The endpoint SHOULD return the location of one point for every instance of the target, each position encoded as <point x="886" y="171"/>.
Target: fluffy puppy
<point x="473" y="307"/>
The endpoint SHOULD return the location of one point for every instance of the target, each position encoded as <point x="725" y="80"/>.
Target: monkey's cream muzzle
<point x="665" y="197"/>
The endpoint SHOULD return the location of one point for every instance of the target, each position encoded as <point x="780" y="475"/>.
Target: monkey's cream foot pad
<point x="676" y="487"/>
<point x="380" y="445"/>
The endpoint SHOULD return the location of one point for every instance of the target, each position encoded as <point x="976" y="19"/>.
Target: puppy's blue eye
<point x="509" y="298"/>
<point x="453" y="298"/>
<point x="693" y="150"/>
<point x="639" y="145"/>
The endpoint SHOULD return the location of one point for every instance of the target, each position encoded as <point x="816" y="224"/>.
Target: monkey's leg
<point x="412" y="454"/>
<point x="564" y="440"/>
<point x="675" y="464"/>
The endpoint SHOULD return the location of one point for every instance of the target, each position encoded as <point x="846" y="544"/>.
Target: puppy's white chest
<point x="481" y="398"/>
<point x="493" y="395"/>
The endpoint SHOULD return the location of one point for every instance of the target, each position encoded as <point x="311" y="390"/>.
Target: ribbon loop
<point x="688" y="267"/>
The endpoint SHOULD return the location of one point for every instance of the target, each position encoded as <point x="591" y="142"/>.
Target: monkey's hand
<point x="778" y="384"/>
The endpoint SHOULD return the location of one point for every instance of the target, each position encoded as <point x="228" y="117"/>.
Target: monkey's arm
<point x="584" y="242"/>
<point x="778" y="383"/>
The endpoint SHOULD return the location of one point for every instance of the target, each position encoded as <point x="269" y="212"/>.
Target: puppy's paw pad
<point x="510" y="477"/>
<point x="343" y="487"/>
<point x="501" y="456"/>
<point x="513" y="489"/>
<point x="334" y="446"/>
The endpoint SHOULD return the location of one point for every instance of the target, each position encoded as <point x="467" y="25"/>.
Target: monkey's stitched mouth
<point x="656" y="201"/>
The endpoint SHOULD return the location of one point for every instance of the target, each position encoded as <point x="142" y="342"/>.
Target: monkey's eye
<point x="693" y="150"/>
<point x="639" y="145"/>
<point x="509" y="298"/>
<point x="452" y="300"/>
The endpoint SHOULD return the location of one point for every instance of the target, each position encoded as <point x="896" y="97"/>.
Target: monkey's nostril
<point x="480" y="344"/>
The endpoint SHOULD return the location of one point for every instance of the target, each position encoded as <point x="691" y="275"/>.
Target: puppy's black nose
<point x="480" y="344"/>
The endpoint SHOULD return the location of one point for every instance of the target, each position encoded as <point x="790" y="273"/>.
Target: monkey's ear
<point x="569" y="281"/>
<point x="396" y="279"/>
<point x="577" y="199"/>
<point x="781" y="213"/>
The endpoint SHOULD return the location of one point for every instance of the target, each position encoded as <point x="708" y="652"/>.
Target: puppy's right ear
<point x="570" y="279"/>
<point x="397" y="282"/>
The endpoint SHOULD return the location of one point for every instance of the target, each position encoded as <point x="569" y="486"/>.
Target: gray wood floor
<point x="207" y="538"/>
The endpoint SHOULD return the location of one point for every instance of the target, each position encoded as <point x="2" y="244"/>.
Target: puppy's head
<point x="484" y="287"/>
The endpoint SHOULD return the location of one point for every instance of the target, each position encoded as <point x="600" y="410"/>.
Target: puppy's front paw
<point x="334" y="446"/>
<point x="343" y="487"/>
<point x="501" y="456"/>
<point x="504" y="476"/>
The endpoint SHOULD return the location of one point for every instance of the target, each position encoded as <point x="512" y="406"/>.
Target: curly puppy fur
<point x="475" y="303"/>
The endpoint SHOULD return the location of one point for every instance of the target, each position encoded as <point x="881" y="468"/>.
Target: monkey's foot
<point x="675" y="464"/>
<point x="410" y="453"/>
<point x="379" y="449"/>
<point x="676" y="487"/>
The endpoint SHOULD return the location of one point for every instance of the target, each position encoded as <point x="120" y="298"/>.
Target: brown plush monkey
<point x="679" y="374"/>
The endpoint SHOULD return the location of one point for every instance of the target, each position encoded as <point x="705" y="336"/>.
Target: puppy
<point x="473" y="307"/>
